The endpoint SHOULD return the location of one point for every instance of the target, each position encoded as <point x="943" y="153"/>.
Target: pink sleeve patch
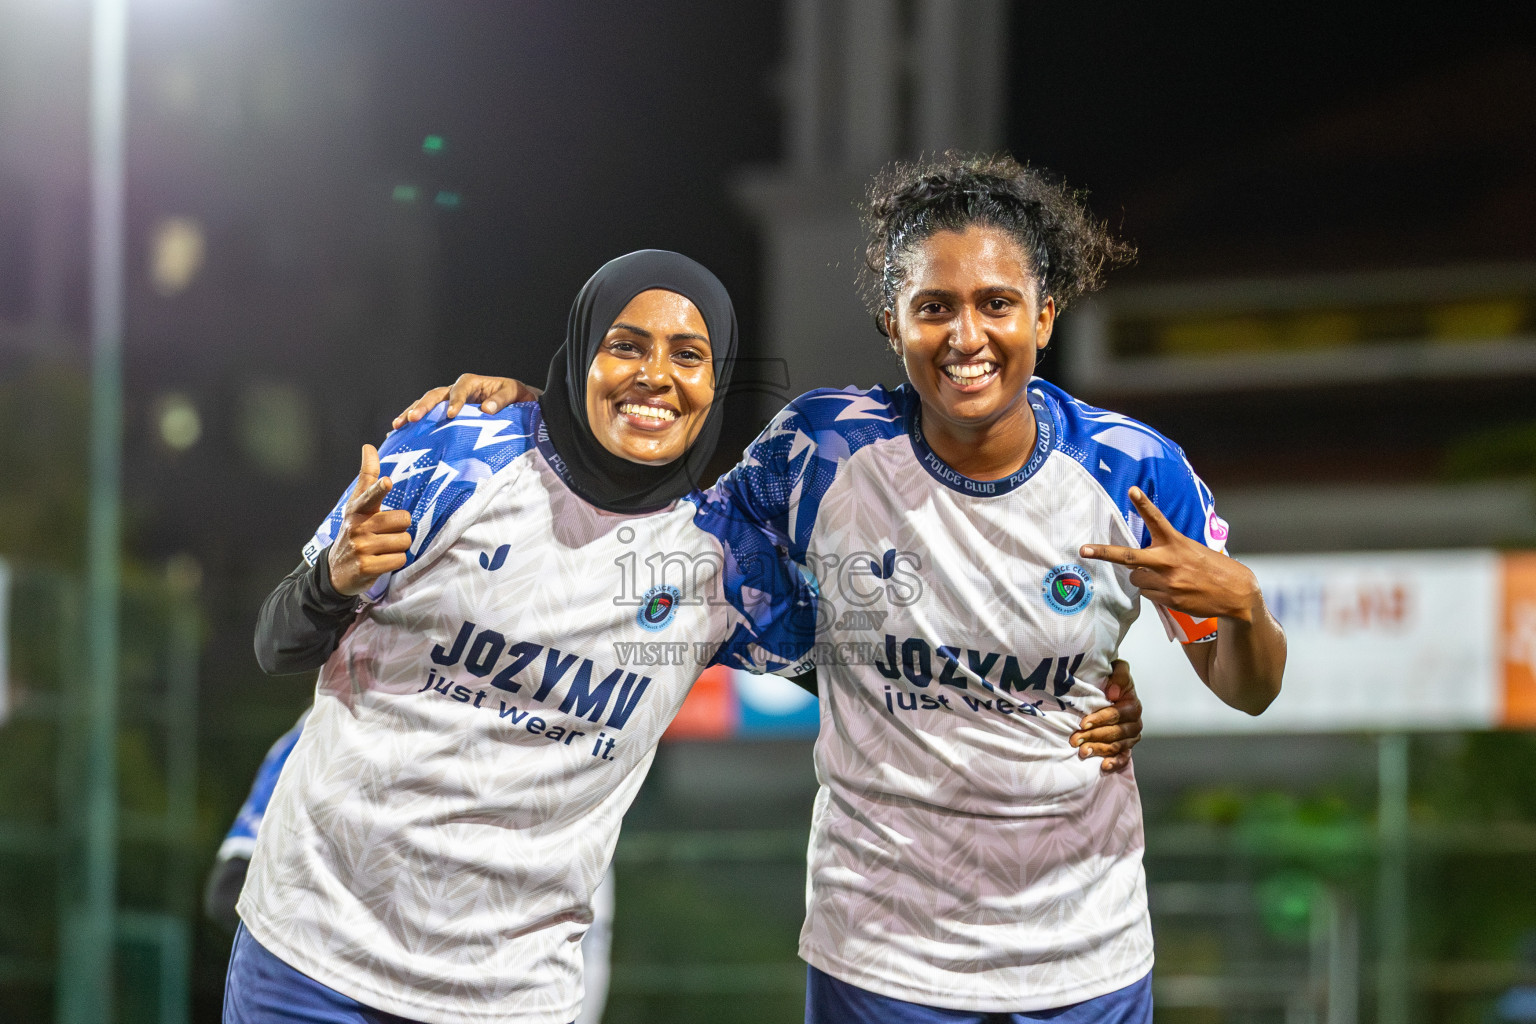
<point x="1216" y="531"/>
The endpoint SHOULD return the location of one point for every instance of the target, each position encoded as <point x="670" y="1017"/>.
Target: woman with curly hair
<point x="966" y="864"/>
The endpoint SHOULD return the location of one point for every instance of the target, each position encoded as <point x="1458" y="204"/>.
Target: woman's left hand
<point x="1111" y="732"/>
<point x="1182" y="574"/>
<point x="1245" y="663"/>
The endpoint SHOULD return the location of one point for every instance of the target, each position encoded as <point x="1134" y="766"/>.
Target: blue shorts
<point x="261" y="989"/>
<point x="829" y="1001"/>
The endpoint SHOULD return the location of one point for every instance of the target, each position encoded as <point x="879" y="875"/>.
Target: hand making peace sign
<point x="1182" y="574"/>
<point x="370" y="542"/>
<point x="1244" y="665"/>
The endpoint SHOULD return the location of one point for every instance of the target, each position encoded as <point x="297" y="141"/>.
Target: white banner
<point x="1381" y="641"/>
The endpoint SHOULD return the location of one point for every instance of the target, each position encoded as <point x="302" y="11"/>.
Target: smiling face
<point x="967" y="322"/>
<point x="651" y="385"/>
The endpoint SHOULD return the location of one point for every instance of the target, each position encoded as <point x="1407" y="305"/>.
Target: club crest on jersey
<point x="658" y="606"/>
<point x="1068" y="589"/>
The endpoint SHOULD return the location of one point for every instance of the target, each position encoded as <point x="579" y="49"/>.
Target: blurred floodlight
<point x="180" y="425"/>
<point x="405" y="193"/>
<point x="432" y="144"/>
<point x="448" y="200"/>
<point x="183" y="573"/>
<point x="276" y="429"/>
<point x="176" y="254"/>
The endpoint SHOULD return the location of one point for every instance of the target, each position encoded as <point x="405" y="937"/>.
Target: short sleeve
<point x="772" y="599"/>
<point x="435" y="465"/>
<point x="787" y="470"/>
<point x="1118" y="453"/>
<point x="766" y="486"/>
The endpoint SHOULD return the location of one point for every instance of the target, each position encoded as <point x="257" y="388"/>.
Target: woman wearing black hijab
<point x="489" y="616"/>
<point x="573" y="414"/>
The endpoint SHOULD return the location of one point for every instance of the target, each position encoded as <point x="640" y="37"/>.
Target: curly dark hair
<point x="1068" y="249"/>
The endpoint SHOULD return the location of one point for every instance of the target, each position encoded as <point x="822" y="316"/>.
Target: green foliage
<point x="708" y="944"/>
<point x="1213" y="805"/>
<point x="26" y="796"/>
<point x="43" y="424"/>
<point x="1498" y="452"/>
<point x="44" y="416"/>
<point x="1287" y="901"/>
<point x="1472" y="839"/>
<point x="1320" y="833"/>
<point x="1490" y="776"/>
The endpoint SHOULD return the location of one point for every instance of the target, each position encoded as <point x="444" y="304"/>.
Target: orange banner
<point x="1519" y="640"/>
<point x="710" y="711"/>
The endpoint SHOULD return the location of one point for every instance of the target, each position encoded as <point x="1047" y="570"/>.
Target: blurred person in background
<point x="435" y="840"/>
<point x="234" y="860"/>
<point x="964" y="866"/>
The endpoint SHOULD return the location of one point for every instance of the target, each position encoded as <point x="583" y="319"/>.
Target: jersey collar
<point x="1046" y="432"/>
<point x="546" y="448"/>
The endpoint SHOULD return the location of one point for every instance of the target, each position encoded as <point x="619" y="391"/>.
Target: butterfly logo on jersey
<point x="495" y="561"/>
<point x="886" y="565"/>
<point x="658" y="606"/>
<point x="1067" y="589"/>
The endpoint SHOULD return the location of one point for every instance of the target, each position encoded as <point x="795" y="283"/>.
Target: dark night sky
<point x="581" y="130"/>
<point x="577" y="132"/>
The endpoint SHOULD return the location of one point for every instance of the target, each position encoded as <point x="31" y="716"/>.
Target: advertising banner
<point x="1376" y="642"/>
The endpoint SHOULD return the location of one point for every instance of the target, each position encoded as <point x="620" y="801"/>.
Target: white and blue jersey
<point x="961" y="854"/>
<point x="433" y="845"/>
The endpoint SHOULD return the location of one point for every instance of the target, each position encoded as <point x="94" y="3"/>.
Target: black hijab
<point x="594" y="472"/>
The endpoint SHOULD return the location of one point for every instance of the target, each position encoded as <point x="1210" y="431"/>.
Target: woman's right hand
<point x="491" y="393"/>
<point x="371" y="541"/>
